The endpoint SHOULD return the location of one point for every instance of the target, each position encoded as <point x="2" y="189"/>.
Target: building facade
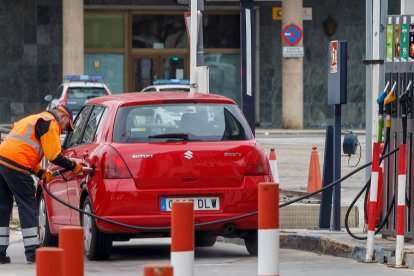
<point x="133" y="42"/>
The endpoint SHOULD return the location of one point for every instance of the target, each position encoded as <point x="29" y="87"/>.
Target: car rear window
<point x="180" y="122"/>
<point x="85" y="93"/>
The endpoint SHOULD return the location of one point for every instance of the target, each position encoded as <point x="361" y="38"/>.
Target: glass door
<point x="147" y="69"/>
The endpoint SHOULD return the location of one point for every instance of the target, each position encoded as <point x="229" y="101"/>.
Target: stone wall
<point x="350" y="18"/>
<point x="30" y="55"/>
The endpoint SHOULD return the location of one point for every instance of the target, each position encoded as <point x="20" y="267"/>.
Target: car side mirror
<point x="48" y="98"/>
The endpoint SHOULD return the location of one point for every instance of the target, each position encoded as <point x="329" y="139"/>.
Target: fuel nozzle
<point x="380" y="102"/>
<point x="387" y="101"/>
<point x="380" y="99"/>
<point x="390" y="96"/>
<point x="405" y="98"/>
<point x="405" y="102"/>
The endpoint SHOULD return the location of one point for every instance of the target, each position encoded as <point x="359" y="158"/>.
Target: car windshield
<point x="180" y="122"/>
<point x="85" y="93"/>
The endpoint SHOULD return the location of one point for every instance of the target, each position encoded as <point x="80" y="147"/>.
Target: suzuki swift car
<point x="209" y="157"/>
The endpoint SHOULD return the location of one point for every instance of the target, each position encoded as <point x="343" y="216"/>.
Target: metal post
<point x="193" y="45"/>
<point x="327" y="178"/>
<point x="247" y="60"/>
<point x="200" y="44"/>
<point x="337" y="169"/>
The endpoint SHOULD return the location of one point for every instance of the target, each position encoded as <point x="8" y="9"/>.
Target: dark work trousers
<point x="21" y="186"/>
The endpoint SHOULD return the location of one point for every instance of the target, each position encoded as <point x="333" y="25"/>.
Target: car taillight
<point x="257" y="162"/>
<point x="114" y="166"/>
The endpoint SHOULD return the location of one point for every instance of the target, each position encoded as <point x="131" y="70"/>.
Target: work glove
<point x="46" y="176"/>
<point x="77" y="169"/>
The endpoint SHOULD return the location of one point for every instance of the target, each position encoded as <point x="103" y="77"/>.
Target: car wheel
<point x="251" y="243"/>
<point x="204" y="239"/>
<point x="97" y="245"/>
<point x="43" y="233"/>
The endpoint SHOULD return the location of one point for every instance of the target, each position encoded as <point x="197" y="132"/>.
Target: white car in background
<point x="75" y="90"/>
<point x="168" y="85"/>
<point x="168" y="115"/>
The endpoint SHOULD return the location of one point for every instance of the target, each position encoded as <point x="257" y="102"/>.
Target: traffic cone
<point x="273" y="165"/>
<point x="314" y="177"/>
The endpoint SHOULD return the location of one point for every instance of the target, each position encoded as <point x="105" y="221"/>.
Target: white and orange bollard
<point x="268" y="232"/>
<point x="273" y="165"/>
<point x="372" y="205"/>
<point x="158" y="270"/>
<point x="182" y="238"/>
<point x="400" y="228"/>
<point x="71" y="241"/>
<point x="49" y="261"/>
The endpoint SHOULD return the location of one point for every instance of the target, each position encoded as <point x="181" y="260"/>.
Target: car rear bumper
<point x="122" y="202"/>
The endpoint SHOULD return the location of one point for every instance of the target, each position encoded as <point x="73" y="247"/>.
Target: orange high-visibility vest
<point x="21" y="145"/>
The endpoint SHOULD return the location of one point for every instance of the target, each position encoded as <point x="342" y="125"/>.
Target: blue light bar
<point x="83" y="78"/>
<point x="171" y="81"/>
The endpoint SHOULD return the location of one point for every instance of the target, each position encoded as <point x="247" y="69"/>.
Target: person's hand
<point x="47" y="176"/>
<point x="77" y="169"/>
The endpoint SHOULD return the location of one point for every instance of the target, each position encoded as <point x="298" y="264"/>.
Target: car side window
<point x="59" y="91"/>
<point x="92" y="125"/>
<point x="73" y="138"/>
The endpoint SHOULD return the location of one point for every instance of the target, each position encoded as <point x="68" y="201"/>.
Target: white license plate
<point x="200" y="203"/>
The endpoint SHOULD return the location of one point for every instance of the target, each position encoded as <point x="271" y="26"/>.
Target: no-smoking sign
<point x="291" y="34"/>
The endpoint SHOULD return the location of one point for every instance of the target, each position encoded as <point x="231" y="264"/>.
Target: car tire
<point x="251" y="243"/>
<point x="97" y="245"/>
<point x="203" y="239"/>
<point x="43" y="232"/>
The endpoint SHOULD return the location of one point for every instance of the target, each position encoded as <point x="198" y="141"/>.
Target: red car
<point x="209" y="157"/>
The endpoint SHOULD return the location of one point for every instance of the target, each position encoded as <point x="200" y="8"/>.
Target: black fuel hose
<point x="136" y="227"/>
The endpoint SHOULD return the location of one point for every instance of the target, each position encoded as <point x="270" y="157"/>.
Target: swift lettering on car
<point x="139" y="156"/>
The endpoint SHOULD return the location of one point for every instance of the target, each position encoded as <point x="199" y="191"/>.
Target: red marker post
<point x="268" y="232"/>
<point x="372" y="205"/>
<point x="182" y="238"/>
<point x="273" y="165"/>
<point x="402" y="176"/>
<point x="71" y="241"/>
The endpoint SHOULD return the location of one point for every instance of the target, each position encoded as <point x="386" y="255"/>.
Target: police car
<point x="168" y="85"/>
<point x="75" y="90"/>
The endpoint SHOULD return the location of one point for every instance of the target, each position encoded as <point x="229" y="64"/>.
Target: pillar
<point x="292" y="72"/>
<point x="73" y="46"/>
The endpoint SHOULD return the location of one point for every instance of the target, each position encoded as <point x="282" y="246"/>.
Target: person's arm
<point x="49" y="135"/>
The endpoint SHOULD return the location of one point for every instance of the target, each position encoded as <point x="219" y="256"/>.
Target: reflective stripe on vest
<point x="26" y="137"/>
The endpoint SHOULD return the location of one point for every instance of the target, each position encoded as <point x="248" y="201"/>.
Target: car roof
<point x="84" y="84"/>
<point x="135" y="98"/>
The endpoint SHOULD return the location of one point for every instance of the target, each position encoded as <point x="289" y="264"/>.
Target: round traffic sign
<point x="291" y="34"/>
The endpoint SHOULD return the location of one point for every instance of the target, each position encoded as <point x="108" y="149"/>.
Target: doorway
<point x="148" y="68"/>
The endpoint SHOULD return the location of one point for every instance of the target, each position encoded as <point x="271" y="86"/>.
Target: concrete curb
<point x="339" y="245"/>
